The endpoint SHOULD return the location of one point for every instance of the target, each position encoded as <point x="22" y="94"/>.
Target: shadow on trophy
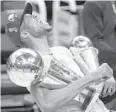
<point x="86" y="57"/>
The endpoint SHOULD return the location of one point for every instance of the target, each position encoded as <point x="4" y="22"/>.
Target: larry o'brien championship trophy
<point x="86" y="57"/>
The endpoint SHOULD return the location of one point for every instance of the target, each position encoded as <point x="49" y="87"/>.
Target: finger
<point x="110" y="91"/>
<point x="39" y="76"/>
<point x="33" y="84"/>
<point x="104" y="91"/>
<point x="113" y="90"/>
<point x="106" y="69"/>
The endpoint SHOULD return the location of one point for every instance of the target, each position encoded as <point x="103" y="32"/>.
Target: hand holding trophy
<point x="86" y="56"/>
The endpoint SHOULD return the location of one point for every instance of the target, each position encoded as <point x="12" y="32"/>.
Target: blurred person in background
<point x="99" y="24"/>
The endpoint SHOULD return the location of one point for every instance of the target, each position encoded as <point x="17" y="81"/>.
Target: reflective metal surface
<point x="81" y="42"/>
<point x="90" y="57"/>
<point x="58" y="74"/>
<point x="83" y="47"/>
<point x="86" y="57"/>
<point x="23" y="66"/>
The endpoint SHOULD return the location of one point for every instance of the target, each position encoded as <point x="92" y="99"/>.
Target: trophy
<point x="86" y="56"/>
<point x="58" y="73"/>
<point x="23" y="66"/>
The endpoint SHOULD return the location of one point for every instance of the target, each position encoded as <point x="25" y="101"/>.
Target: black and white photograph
<point x="58" y="56"/>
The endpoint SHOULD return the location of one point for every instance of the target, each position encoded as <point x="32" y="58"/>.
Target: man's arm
<point x="48" y="100"/>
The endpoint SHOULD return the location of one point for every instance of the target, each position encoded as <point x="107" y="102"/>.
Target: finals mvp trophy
<point x="86" y="57"/>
